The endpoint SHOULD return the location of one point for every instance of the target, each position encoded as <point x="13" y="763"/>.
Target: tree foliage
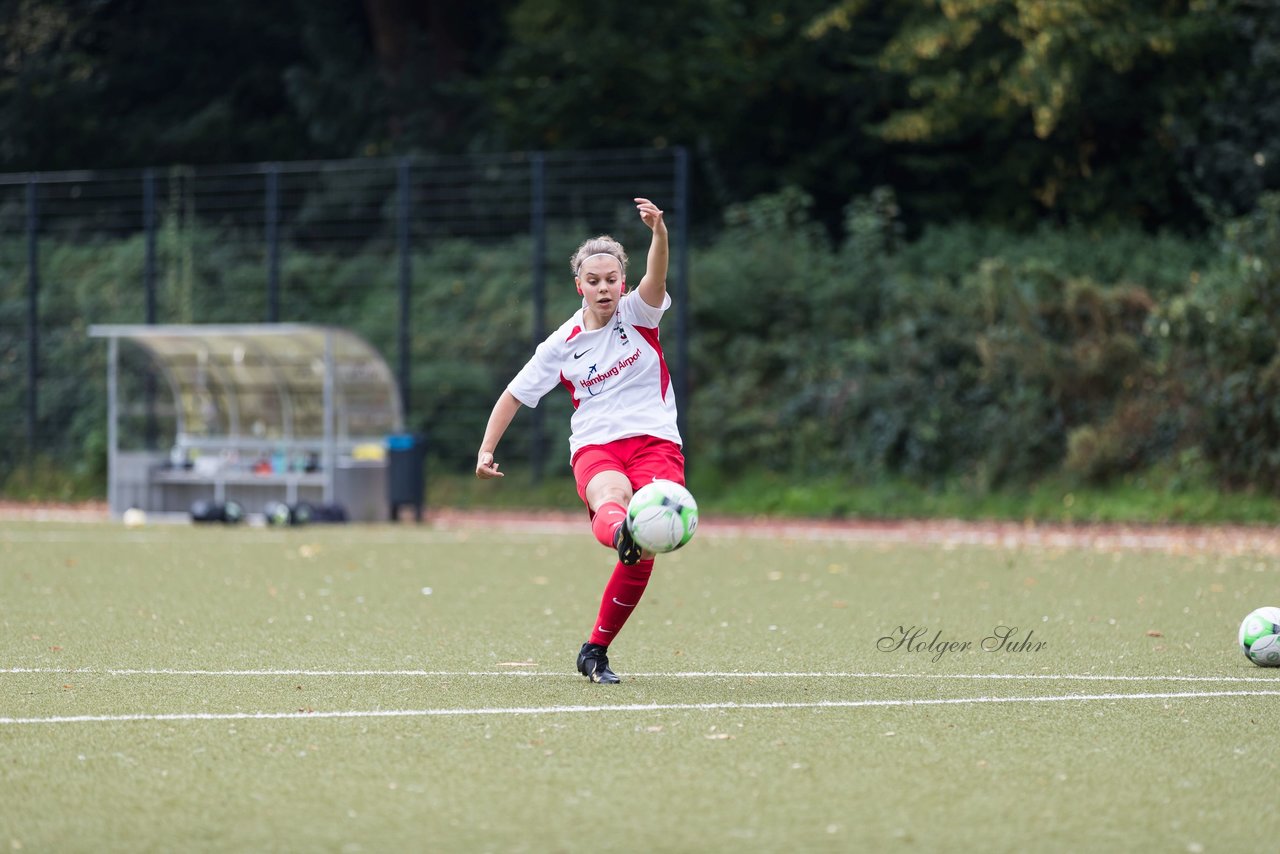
<point x="1068" y="104"/>
<point x="128" y="82"/>
<point x="1158" y="112"/>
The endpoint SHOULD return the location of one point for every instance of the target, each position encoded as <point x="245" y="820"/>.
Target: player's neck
<point x="591" y="321"/>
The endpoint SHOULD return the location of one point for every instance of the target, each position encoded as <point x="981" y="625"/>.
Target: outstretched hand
<point x="486" y="468"/>
<point x="650" y="214"/>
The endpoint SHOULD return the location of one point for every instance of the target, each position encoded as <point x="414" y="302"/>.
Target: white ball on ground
<point x="134" y="518"/>
<point x="1265" y="651"/>
<point x="1259" y="630"/>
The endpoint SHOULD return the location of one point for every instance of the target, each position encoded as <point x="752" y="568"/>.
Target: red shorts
<point x="642" y="459"/>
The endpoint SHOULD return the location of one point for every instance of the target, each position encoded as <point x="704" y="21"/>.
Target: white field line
<point x="657" y="674"/>
<point x="625" y="707"/>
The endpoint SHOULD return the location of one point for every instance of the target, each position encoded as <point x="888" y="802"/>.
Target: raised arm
<point x="503" y="411"/>
<point x="653" y="287"/>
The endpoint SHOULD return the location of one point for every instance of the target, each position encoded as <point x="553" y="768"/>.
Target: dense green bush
<point x="990" y="355"/>
<point x="995" y="358"/>
<point x="1228" y="330"/>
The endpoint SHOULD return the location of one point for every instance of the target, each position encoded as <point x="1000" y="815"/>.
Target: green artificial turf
<point x="426" y="699"/>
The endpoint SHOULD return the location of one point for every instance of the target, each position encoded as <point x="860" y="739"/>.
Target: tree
<point x="1024" y="108"/>
<point x="428" y="56"/>
<point x="108" y="83"/>
<point x="759" y="104"/>
<point x="1163" y="112"/>
<point x="130" y="82"/>
<point x="1230" y="144"/>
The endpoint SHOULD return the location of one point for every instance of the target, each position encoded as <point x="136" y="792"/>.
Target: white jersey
<point x="617" y="376"/>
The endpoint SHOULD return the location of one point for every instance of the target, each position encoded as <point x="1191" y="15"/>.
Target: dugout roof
<point x="270" y="382"/>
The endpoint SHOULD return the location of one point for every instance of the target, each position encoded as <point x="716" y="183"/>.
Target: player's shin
<point x="621" y="595"/>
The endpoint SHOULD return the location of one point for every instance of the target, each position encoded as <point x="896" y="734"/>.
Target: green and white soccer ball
<point x="662" y="516"/>
<point x="1260" y="636"/>
<point x="1265" y="651"/>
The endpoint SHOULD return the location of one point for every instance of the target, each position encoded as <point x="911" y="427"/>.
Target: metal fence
<point x="452" y="267"/>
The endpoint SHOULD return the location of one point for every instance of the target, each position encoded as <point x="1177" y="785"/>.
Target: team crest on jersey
<point x="617" y="327"/>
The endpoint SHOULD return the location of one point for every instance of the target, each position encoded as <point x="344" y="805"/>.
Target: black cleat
<point x="628" y="550"/>
<point x="593" y="663"/>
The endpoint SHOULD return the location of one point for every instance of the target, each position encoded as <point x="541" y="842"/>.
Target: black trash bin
<point x="406" y="473"/>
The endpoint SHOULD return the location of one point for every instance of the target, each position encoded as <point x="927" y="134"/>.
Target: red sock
<point x="607" y="519"/>
<point x="621" y="595"/>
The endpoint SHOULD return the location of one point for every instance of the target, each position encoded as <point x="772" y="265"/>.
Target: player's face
<point x="600" y="281"/>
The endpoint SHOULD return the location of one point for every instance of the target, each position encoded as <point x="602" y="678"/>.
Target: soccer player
<point x="623" y="429"/>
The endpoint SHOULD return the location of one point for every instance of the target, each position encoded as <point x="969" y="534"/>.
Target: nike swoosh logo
<point x="623" y="604"/>
<point x="583" y="353"/>
<point x="603" y="629"/>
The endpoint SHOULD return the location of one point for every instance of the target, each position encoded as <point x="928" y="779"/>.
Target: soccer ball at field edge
<point x="662" y="516"/>
<point x="1265" y="651"/>
<point x="1261" y="623"/>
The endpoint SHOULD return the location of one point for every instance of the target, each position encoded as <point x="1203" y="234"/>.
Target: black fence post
<point x="682" y="293"/>
<point x="403" y="213"/>
<point x="272" y="217"/>
<point x="33" y="311"/>
<point x="538" y="231"/>
<point x="151" y="428"/>
<point x="149" y="229"/>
